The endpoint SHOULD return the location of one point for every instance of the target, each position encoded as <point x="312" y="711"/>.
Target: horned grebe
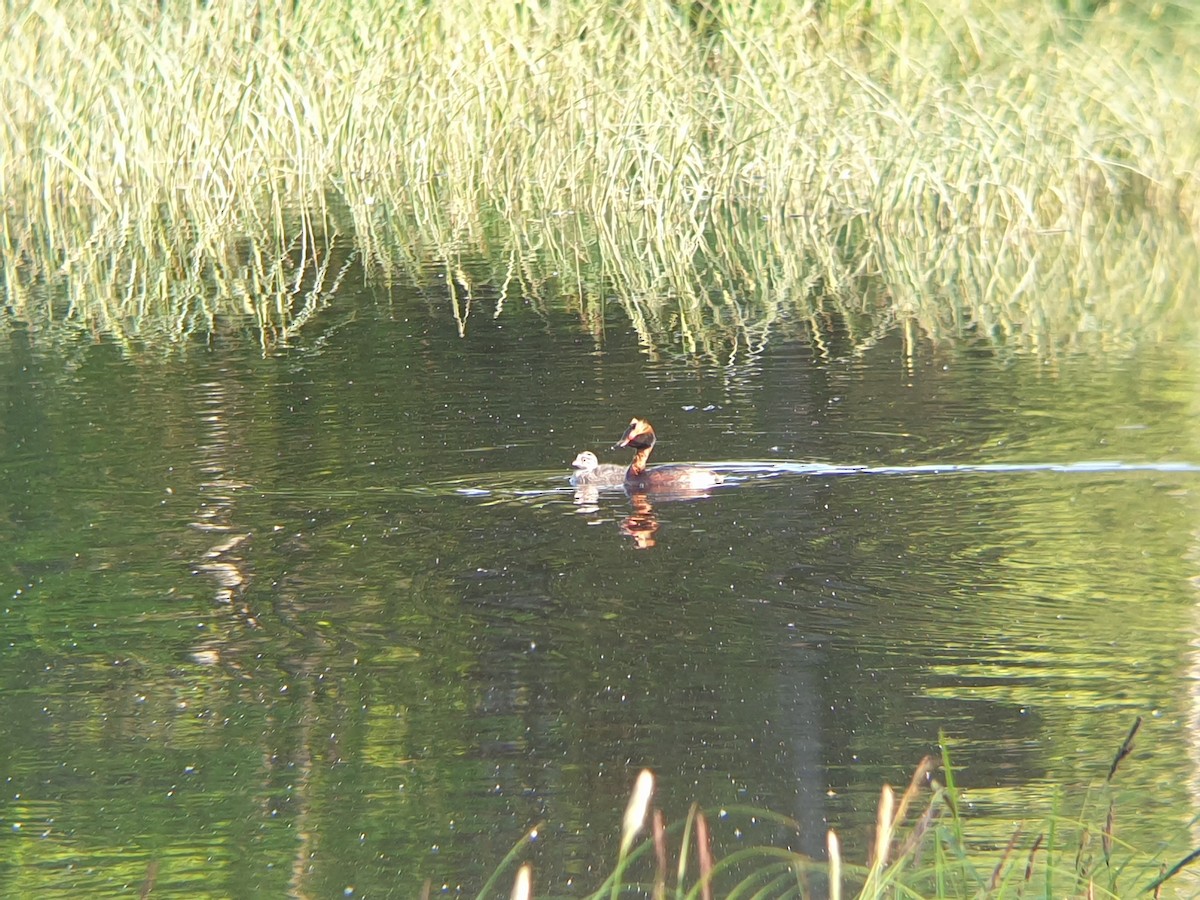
<point x="677" y="477"/>
<point x="588" y="470"/>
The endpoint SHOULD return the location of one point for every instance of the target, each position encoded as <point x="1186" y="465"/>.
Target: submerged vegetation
<point x="921" y="848"/>
<point x="1019" y="172"/>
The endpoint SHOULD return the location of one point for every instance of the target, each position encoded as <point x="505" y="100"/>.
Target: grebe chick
<point x="588" y="470"/>
<point x="676" y="477"/>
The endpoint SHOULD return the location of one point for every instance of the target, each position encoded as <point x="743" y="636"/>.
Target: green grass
<point x="923" y="846"/>
<point x="1021" y="172"/>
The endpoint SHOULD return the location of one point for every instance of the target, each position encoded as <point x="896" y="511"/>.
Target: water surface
<point x="329" y="619"/>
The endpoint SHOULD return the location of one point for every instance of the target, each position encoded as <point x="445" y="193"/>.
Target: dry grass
<point x="913" y="854"/>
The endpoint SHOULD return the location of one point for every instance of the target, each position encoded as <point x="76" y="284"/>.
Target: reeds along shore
<point x="922" y="846"/>
<point x="1017" y="171"/>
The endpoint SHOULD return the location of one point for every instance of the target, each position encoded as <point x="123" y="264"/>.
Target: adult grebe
<point x="677" y="477"/>
<point x="588" y="470"/>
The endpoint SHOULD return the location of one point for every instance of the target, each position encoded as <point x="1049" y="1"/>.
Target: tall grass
<point x="921" y="848"/>
<point x="1022" y="171"/>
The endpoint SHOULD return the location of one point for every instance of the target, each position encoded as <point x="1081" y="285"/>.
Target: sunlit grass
<point x="923" y="846"/>
<point x="1021" y="172"/>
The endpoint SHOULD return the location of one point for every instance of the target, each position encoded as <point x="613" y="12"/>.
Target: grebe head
<point x="585" y="461"/>
<point x="639" y="435"/>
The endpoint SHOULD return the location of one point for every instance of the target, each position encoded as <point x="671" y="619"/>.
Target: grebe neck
<point x="638" y="466"/>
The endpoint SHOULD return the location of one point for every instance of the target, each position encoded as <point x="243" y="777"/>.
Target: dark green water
<point x="329" y="620"/>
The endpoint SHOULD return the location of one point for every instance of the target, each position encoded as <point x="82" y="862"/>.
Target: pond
<point x="329" y="619"/>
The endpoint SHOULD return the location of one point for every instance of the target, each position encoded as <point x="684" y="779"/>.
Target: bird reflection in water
<point x="642" y="523"/>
